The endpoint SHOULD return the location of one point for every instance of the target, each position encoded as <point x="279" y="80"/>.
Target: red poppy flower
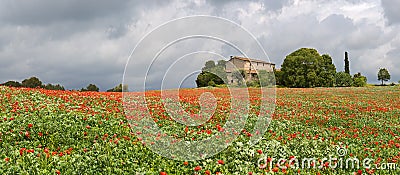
<point x="21" y="151"/>
<point x="221" y="162"/>
<point x="208" y="131"/>
<point x="27" y="134"/>
<point x="197" y="168"/>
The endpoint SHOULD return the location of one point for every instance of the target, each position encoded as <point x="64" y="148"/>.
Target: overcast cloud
<point x="80" y="42"/>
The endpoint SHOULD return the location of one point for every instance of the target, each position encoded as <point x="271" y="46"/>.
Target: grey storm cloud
<point x="42" y="12"/>
<point x="80" y="42"/>
<point x="392" y="12"/>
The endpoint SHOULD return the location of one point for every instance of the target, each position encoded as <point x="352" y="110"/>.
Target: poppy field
<point x="69" y="132"/>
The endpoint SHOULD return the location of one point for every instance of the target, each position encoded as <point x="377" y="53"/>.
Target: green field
<point x="65" y="132"/>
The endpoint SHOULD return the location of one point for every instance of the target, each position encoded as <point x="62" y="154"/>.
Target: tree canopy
<point x="32" y="82"/>
<point x="54" y="87"/>
<point x="383" y="75"/>
<point x="119" y="88"/>
<point x="359" y="80"/>
<point x="12" y="84"/>
<point x="91" y="87"/>
<point x="212" y="74"/>
<point x="209" y="65"/>
<point x="343" y="79"/>
<point x="306" y="68"/>
<point x="346" y="63"/>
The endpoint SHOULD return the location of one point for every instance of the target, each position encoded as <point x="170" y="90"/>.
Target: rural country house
<point x="248" y="65"/>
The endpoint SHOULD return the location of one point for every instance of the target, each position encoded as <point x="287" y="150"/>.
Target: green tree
<point x="343" y="79"/>
<point x="383" y="75"/>
<point x="202" y="79"/>
<point x="278" y="77"/>
<point x="54" y="87"/>
<point x="12" y="84"/>
<point x="91" y="87"/>
<point x="307" y="68"/>
<point x="209" y="64"/>
<point x="221" y="63"/>
<point x="359" y="80"/>
<point x="119" y="88"/>
<point x="346" y="63"/>
<point x="219" y="73"/>
<point x="212" y="83"/>
<point x="212" y="72"/>
<point x="32" y="82"/>
<point x="327" y="71"/>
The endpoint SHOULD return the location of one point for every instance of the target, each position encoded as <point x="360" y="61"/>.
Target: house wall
<point x="263" y="66"/>
<point x="237" y="64"/>
<point x="234" y="65"/>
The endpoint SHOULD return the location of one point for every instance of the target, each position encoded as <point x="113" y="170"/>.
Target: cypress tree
<point x="346" y="63"/>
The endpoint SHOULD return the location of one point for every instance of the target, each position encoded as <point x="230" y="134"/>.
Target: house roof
<point x="250" y="59"/>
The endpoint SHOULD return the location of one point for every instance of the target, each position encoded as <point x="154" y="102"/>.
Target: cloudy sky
<point x="76" y="42"/>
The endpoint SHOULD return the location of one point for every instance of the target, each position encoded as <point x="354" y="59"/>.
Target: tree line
<point x="303" y="68"/>
<point x="34" y="82"/>
<point x="307" y="68"/>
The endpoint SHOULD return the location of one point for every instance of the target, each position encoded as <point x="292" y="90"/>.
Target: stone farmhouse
<point x="250" y="67"/>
